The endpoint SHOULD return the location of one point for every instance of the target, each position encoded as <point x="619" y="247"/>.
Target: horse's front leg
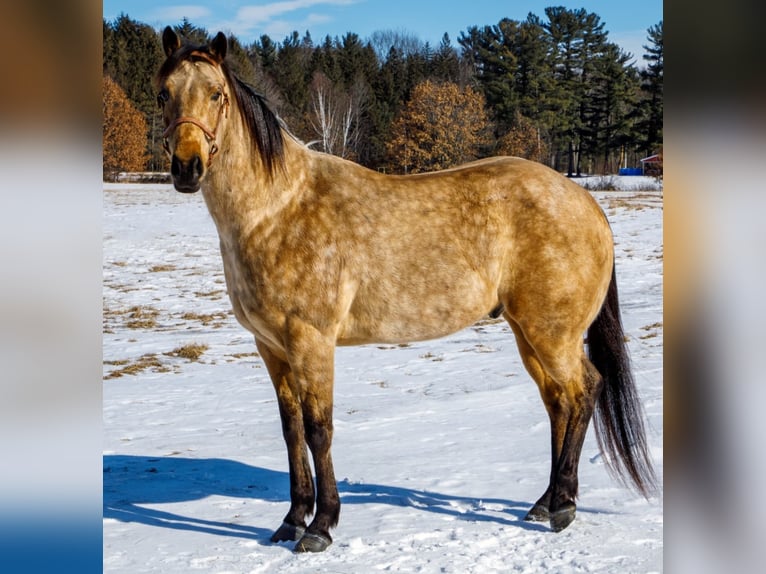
<point x="291" y="413"/>
<point x="311" y="356"/>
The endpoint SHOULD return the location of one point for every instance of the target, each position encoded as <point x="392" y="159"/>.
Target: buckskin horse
<point x="319" y="251"/>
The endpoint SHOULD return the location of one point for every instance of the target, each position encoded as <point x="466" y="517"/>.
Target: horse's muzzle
<point x="186" y="174"/>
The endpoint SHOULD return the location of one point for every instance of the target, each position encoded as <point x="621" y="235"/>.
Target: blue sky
<point x="626" y="21"/>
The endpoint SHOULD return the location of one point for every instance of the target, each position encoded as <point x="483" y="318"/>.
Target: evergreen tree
<point x="266" y="50"/>
<point x="445" y="65"/>
<point x="607" y="119"/>
<point x="290" y="74"/>
<point x="510" y="64"/>
<point x="533" y="72"/>
<point x="576" y="37"/>
<point x="493" y="65"/>
<point x="356" y="60"/>
<point x="389" y="93"/>
<point x="240" y="62"/>
<point x="652" y="84"/>
<point x="324" y="60"/>
<point x="191" y="33"/>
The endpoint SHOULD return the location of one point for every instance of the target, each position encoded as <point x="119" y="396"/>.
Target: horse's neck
<point x="239" y="193"/>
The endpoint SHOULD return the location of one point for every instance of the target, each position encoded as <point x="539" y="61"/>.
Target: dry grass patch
<point x="214" y="294"/>
<point x="652" y="330"/>
<point x="141" y="317"/>
<point x="191" y="352"/>
<point x="161" y="268"/>
<point x="628" y="204"/>
<point x="253" y="354"/>
<point x="206" y="318"/>
<point x="144" y="362"/>
<point x="137" y="317"/>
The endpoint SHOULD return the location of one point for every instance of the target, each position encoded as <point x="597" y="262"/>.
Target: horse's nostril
<point x="175" y="166"/>
<point x="197" y="166"/>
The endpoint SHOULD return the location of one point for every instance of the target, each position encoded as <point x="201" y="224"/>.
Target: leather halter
<point x="210" y="135"/>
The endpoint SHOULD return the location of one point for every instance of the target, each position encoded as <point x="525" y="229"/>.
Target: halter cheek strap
<point x="209" y="134"/>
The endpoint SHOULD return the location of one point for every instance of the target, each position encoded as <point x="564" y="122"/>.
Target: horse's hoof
<point x="311" y="542"/>
<point x="538" y="513"/>
<point x="562" y="517"/>
<point x="288" y="533"/>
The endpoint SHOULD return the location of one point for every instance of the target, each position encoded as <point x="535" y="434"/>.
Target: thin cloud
<point x="274" y="18"/>
<point x="266" y="12"/>
<point x="279" y="28"/>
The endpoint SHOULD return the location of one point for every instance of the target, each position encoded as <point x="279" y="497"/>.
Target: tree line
<point x="553" y="89"/>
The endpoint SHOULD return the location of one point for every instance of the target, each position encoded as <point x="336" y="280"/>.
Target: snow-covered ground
<point x="619" y="182"/>
<point x="440" y="447"/>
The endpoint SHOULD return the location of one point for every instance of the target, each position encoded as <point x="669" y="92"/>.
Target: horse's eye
<point x="162" y="98"/>
<point x="216" y="96"/>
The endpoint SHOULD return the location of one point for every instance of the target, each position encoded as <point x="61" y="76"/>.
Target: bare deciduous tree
<point x="335" y="115"/>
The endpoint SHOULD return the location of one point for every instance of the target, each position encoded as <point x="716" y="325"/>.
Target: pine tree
<point x="445" y="65"/>
<point x="533" y="72"/>
<point x="191" y="33"/>
<point x="240" y="62"/>
<point x="652" y="84"/>
<point x="494" y="65"/>
<point x="324" y="60"/>
<point x="389" y="92"/>
<point x="266" y="50"/>
<point x="607" y="119"/>
<point x="576" y="37"/>
<point x="356" y="60"/>
<point x="290" y="71"/>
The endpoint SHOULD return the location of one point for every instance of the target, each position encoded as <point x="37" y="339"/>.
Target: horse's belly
<point x="403" y="319"/>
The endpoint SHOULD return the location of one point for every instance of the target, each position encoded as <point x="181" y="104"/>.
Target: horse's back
<point x="431" y="253"/>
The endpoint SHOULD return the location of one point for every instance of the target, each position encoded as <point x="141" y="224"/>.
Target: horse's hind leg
<point x="540" y="511"/>
<point x="291" y="414"/>
<point x="585" y="391"/>
<point x="569" y="386"/>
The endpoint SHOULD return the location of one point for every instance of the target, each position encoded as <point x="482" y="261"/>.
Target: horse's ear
<point x="170" y="41"/>
<point x="219" y="46"/>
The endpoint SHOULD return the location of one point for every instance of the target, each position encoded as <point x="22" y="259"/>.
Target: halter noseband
<point x="209" y="134"/>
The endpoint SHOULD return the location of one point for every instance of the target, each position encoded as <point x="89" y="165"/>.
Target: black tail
<point x="618" y="417"/>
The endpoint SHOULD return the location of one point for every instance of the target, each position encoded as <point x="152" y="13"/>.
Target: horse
<point x="319" y="251"/>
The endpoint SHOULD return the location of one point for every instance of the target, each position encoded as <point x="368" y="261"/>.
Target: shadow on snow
<point x="133" y="481"/>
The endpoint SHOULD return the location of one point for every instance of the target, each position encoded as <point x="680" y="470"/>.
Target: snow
<point x="440" y="447"/>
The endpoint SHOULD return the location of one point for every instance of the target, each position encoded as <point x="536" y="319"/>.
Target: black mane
<point x="263" y="125"/>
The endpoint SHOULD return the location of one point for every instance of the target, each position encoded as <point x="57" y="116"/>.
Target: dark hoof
<point x="288" y="533"/>
<point x="539" y="513"/>
<point x="312" y="543"/>
<point x="562" y="518"/>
